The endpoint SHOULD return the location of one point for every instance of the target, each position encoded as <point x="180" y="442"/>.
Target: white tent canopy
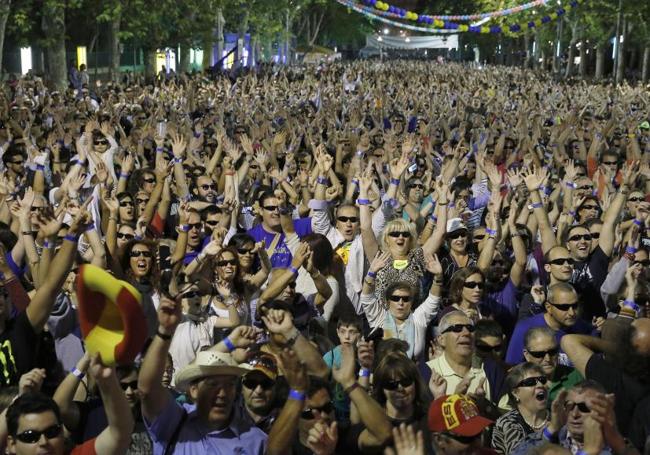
<point x="412" y="42"/>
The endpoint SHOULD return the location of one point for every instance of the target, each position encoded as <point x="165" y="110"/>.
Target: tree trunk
<point x="572" y="47"/>
<point x="184" y="64"/>
<point x="600" y="61"/>
<point x="241" y="40"/>
<point x="645" y="66"/>
<point x="582" y="69"/>
<point x="220" y="25"/>
<point x="53" y="25"/>
<point x="527" y="58"/>
<point x="149" y="64"/>
<point x="114" y="64"/>
<point x="5" y="6"/>
<point x="620" y="68"/>
<point x="207" y="52"/>
<point x="315" y="30"/>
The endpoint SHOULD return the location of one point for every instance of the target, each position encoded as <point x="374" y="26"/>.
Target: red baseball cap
<point x="456" y="414"/>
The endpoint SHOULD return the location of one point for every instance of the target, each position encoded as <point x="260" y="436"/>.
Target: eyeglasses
<point x="400" y="298"/>
<point x="479" y="237"/>
<point x="252" y="383"/>
<point x="562" y="261"/>
<point x="584" y="187"/>
<point x="196" y="226"/>
<point x="458" y="328"/>
<point x="141" y="201"/>
<point x="226" y="262"/>
<point x="191" y="295"/>
<point x="17" y="163"/>
<point x="33" y="436"/>
<point x="126" y="204"/>
<point x="122" y="235"/>
<point x="132" y="384"/>
<point x="101" y="142"/>
<point x="541" y="354"/>
<point x="395" y="383"/>
<point x="308" y="413"/>
<point x="456" y="235"/>
<point x="345" y="219"/>
<point x="271" y="208"/>
<point x="582" y="407"/>
<point x="403" y="234"/>
<point x="610" y="163"/>
<point x="149" y="180"/>
<point x="473" y="284"/>
<point x="578" y="237"/>
<point x="531" y="382"/>
<point x="245" y="250"/>
<point x="140" y="253"/>
<point x="645" y="263"/>
<point x="418" y="186"/>
<point x="486" y="348"/>
<point x="37" y="208"/>
<point x="210" y="186"/>
<point x="565" y="306"/>
<point x="211" y="222"/>
<point x="635" y="199"/>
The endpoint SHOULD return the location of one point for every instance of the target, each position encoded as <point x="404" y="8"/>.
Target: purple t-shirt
<point x="503" y="306"/>
<point x="281" y="256"/>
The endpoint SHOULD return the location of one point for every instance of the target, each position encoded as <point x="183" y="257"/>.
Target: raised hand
<point x="244" y="336"/>
<point x="380" y="261"/>
<point x="366" y="354"/>
<point x="169" y="314"/>
<point x="345" y="374"/>
<point x="322" y="438"/>
<point x="301" y="255"/>
<point x="278" y="322"/>
<point x="437" y="385"/>
<point x="31" y="381"/>
<point x="98" y="370"/>
<point x="432" y="263"/>
<point x="407" y="441"/>
<point x="179" y="144"/>
<point x="294" y="370"/>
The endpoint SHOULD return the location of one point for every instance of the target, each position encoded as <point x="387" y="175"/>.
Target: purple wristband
<point x="124" y="175"/>
<point x="160" y="149"/>
<point x="632" y="305"/>
<point x="71" y="237"/>
<point x="295" y="395"/>
<point x="323" y="181"/>
<point x="229" y="345"/>
<point x="46" y="245"/>
<point x="537" y="205"/>
<point x="363" y="201"/>
<point x="638" y="222"/>
<point x="394" y="181"/>
<point x="489" y="231"/>
<point x="371" y="274"/>
<point x="293" y="270"/>
<point x="40" y="167"/>
<point x="630" y="250"/>
<point x="90" y="227"/>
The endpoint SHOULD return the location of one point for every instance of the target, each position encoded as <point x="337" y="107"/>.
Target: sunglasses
<point x="37" y="209"/>
<point x="395" y="383"/>
<point x="562" y="261"/>
<point x="33" y="436"/>
<point x="18" y="163"/>
<point x="457" y="235"/>
<point x="400" y="298"/>
<point x="345" y="219"/>
<point x="271" y="208"/>
<point x="126" y="204"/>
<point x="191" y="295"/>
<point x="141" y="201"/>
<point x="196" y="226"/>
<point x="541" y="354"/>
<point x="308" y="413"/>
<point x="473" y="284"/>
<point x="101" y="142"/>
<point x="121" y="235"/>
<point x="578" y="237"/>
<point x="253" y="383"/>
<point x="565" y="306"/>
<point x="403" y="234"/>
<point x="211" y="222"/>
<point x="418" y="186"/>
<point x="245" y="250"/>
<point x="486" y="348"/>
<point x="149" y="180"/>
<point x="644" y="263"/>
<point x="610" y="163"/>
<point x="582" y="406"/>
<point x="226" y="262"/>
<point x="479" y="237"/>
<point x="458" y="328"/>
<point x="207" y="187"/>
<point x="140" y="253"/>
<point x="132" y="384"/>
<point x="635" y="199"/>
<point x="531" y="382"/>
<point x="595" y="235"/>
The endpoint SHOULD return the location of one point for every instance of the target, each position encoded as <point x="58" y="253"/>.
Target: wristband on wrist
<point x="90" y="227"/>
<point x="40" y="167"/>
<point x="197" y="135"/>
<point x="71" y="237"/>
<point x="572" y="213"/>
<point x="359" y="153"/>
<point x="434" y="218"/>
<point x="46" y="244"/>
<point x="293" y="270"/>
<point x="355" y="182"/>
<point x="229" y="345"/>
<point x="350" y="389"/>
<point x="163" y="336"/>
<point x="537" y="205"/>
<point x="78" y="373"/>
<point x="177" y="160"/>
<point x="451" y="205"/>
<point x="630" y="250"/>
<point x="548" y="435"/>
<point x="394" y="181"/>
<point x="296" y="395"/>
<point x="364" y="373"/>
<point x="323" y="180"/>
<point x="489" y="231"/>
<point x="27" y="233"/>
<point x="638" y="222"/>
<point x="184" y="227"/>
<point x="124" y="175"/>
<point x="371" y="274"/>
<point x="363" y="201"/>
<point x="571" y="185"/>
<point x="159" y="149"/>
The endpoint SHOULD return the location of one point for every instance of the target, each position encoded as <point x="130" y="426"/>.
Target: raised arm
<point x="534" y="180"/>
<point x="608" y="234"/>
<point x="368" y="239"/>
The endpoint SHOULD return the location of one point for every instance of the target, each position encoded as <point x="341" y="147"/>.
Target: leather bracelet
<point x="350" y="389"/>
<point x="163" y="336"/>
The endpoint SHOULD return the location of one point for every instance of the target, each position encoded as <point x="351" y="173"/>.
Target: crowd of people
<point x="402" y="258"/>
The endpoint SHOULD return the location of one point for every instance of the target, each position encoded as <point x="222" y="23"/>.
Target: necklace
<point x="536" y="427"/>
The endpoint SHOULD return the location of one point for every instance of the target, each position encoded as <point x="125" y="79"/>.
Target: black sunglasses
<point x="226" y="262"/>
<point x="473" y="284"/>
<point x="635" y="199"/>
<point x="395" y="383"/>
<point x="308" y="413"/>
<point x="149" y="180"/>
<point x="245" y="250"/>
<point x="478" y="237"/>
<point x="541" y="354"/>
<point x="141" y="201"/>
<point x="191" y="295"/>
<point x="403" y="234"/>
<point x="101" y="142"/>
<point x="565" y="306"/>
<point x="531" y="382"/>
<point x="578" y="237"/>
<point x="456" y="235"/>
<point x="458" y="328"/>
<point x="645" y="263"/>
<point x="207" y="187"/>
<point x="589" y="207"/>
<point x="419" y="186"/>
<point x="126" y="204"/>
<point x="610" y="163"/>
<point x="271" y="208"/>
<point x="196" y="226"/>
<point x="132" y="384"/>
<point x="252" y="383"/>
<point x="140" y="253"/>
<point x="562" y="261"/>
<point x="37" y="209"/>
<point x="595" y="235"/>
<point x="211" y="222"/>
<point x="486" y="348"/>
<point x="33" y="436"/>
<point x="399" y="298"/>
<point x="345" y="219"/>
<point x="121" y="235"/>
<point x="582" y="406"/>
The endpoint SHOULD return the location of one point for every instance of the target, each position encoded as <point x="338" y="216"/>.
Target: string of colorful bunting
<point x="395" y="12"/>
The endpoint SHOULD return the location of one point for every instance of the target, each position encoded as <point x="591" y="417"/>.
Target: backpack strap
<point x="171" y="445"/>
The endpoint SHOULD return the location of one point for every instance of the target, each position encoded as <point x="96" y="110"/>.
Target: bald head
<point x="641" y="338"/>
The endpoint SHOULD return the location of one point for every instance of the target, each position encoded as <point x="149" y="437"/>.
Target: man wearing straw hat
<point x="208" y="426"/>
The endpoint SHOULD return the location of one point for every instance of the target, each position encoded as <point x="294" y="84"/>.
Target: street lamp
<point x="386" y="31"/>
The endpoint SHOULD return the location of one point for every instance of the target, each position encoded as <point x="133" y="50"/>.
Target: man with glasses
<point x="561" y="316"/>
<point x="541" y="348"/>
<point x="206" y="189"/>
<point x="458" y="367"/>
<point x="14" y="163"/>
<point x="259" y="391"/>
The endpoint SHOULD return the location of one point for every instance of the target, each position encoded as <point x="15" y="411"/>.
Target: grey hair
<point x="559" y="287"/>
<point x="538" y="332"/>
<point x="444" y="323"/>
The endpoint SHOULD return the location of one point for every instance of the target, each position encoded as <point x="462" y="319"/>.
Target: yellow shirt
<point x="442" y="367"/>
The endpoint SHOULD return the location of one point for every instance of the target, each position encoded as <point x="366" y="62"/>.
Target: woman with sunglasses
<point x="466" y="292"/>
<point x="528" y="395"/>
<point x="227" y="286"/>
<point x="394" y="313"/>
<point x="414" y="194"/>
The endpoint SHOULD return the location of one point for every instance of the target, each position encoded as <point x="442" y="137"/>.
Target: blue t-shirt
<point x="515" y="353"/>
<point x="282" y="256"/>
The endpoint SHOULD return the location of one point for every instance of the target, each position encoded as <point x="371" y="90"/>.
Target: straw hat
<point x="210" y="363"/>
